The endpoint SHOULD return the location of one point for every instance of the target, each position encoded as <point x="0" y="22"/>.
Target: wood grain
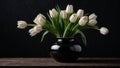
<point x="46" y="62"/>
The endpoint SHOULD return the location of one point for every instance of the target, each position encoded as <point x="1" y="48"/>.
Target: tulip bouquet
<point x="63" y="23"/>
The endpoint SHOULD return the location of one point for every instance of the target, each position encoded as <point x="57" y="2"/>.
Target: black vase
<point x="66" y="50"/>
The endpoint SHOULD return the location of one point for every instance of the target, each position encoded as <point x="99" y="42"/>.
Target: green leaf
<point x="58" y="8"/>
<point x="88" y="27"/>
<point x="95" y="27"/>
<point x="44" y="34"/>
<point x="67" y="30"/>
<point x="60" y="22"/>
<point x="52" y="21"/>
<point x="74" y="29"/>
<point x="55" y="25"/>
<point x="82" y="36"/>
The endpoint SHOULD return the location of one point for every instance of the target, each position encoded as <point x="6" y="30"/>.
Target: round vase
<point x="66" y="50"/>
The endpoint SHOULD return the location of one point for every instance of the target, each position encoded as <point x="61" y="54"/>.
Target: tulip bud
<point x="32" y="32"/>
<point x="92" y="22"/>
<point x="40" y="19"/>
<point x="73" y="18"/>
<point x="104" y="30"/>
<point x="53" y="13"/>
<point x="21" y="24"/>
<point x="92" y="16"/>
<point x="80" y="13"/>
<point x="38" y="28"/>
<point x="63" y="14"/>
<point x="35" y="30"/>
<point x="83" y="20"/>
<point x="69" y="9"/>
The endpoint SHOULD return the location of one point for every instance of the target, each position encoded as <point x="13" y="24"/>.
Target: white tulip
<point x="83" y="20"/>
<point x="53" y="13"/>
<point x="38" y="28"/>
<point x="21" y="24"/>
<point x="69" y="9"/>
<point x="63" y="14"/>
<point x="80" y="13"/>
<point x="104" y="30"/>
<point x="40" y="19"/>
<point x="32" y="32"/>
<point x="92" y="22"/>
<point x="73" y="18"/>
<point x="92" y="16"/>
<point x="35" y="30"/>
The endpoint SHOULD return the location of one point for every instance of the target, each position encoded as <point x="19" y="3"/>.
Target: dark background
<point x="17" y="43"/>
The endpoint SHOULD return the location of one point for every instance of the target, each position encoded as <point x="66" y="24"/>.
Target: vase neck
<point x="65" y="40"/>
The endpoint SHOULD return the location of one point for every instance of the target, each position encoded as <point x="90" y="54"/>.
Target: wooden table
<point x="49" y="62"/>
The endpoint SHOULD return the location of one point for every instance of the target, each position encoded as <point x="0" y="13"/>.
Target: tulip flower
<point x="104" y="30"/>
<point x="53" y="13"/>
<point x="63" y="24"/>
<point x="40" y="19"/>
<point x="92" y="22"/>
<point x="73" y="18"/>
<point x="83" y="20"/>
<point x="35" y="30"/>
<point x="32" y="32"/>
<point x="21" y="24"/>
<point x="92" y="16"/>
<point x="80" y="13"/>
<point x="69" y="9"/>
<point x="63" y="14"/>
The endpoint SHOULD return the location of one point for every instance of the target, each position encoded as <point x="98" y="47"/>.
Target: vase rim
<point x="66" y="38"/>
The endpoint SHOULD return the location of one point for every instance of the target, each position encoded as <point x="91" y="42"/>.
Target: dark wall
<point x="18" y="43"/>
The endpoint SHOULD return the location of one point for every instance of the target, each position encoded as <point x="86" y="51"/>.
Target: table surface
<point x="51" y="62"/>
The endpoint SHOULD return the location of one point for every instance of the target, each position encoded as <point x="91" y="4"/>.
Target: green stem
<point x="65" y="32"/>
<point x="67" y="20"/>
<point x="90" y="27"/>
<point x="31" y="24"/>
<point x="75" y="27"/>
<point x="73" y="31"/>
